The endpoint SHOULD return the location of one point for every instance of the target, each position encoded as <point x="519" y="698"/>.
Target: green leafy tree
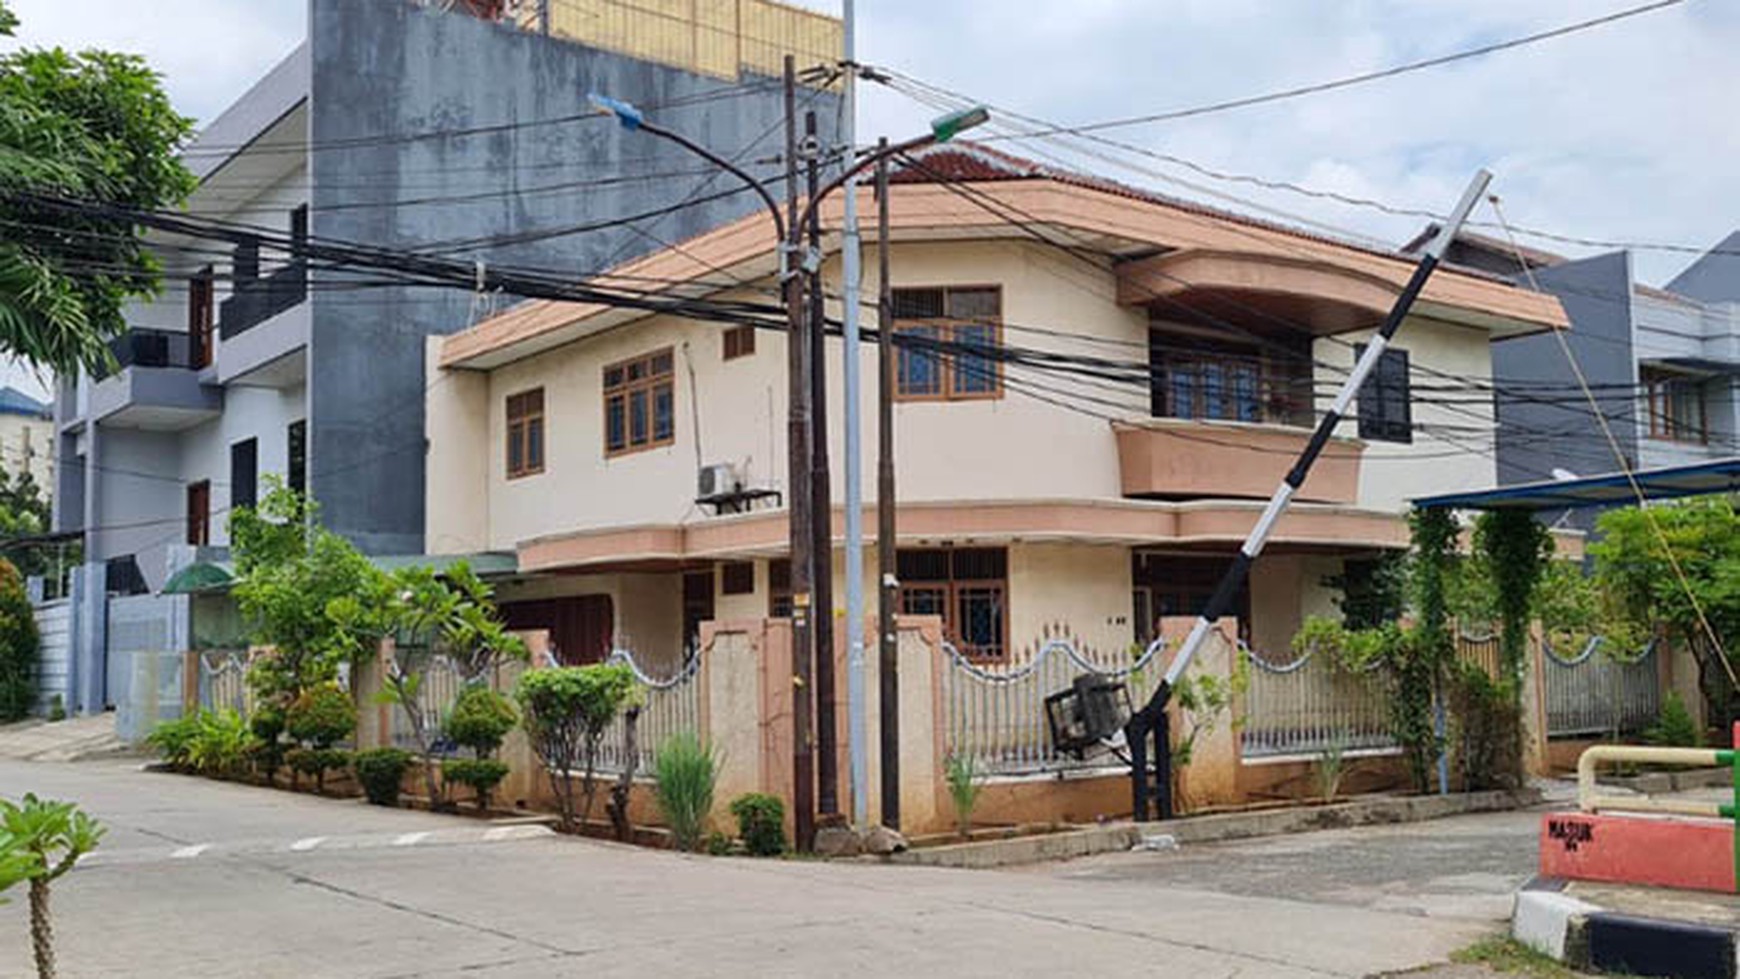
<point x="1642" y="595"/>
<point x="40" y="841"/>
<point x="1514" y="549"/>
<point x="24" y="515"/>
<point x="19" y="646"/>
<point x="95" y="126"/>
<point x="566" y="711"/>
<point x="292" y="574"/>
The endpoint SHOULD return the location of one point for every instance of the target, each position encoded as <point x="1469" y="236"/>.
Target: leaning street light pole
<point x="795" y="260"/>
<point x="1147" y="729"/>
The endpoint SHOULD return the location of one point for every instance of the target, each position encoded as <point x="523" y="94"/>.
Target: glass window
<point x="959" y="321"/>
<point x="525" y="433"/>
<point x="1386" y="412"/>
<point x="967" y="587"/>
<point x="1676" y="406"/>
<point x="640" y="403"/>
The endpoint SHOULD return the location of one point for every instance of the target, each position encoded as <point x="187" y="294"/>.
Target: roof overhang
<point x="1612" y="489"/>
<point x="1118" y="225"/>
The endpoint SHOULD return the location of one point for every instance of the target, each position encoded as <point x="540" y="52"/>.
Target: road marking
<point x="189" y="852"/>
<point x="309" y="843"/>
<point x="520" y="832"/>
<point x="410" y="839"/>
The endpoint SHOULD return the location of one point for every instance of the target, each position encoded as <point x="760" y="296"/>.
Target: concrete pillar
<point x="1534" y="706"/>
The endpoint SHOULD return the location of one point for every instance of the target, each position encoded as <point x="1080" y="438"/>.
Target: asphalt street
<point x="199" y="878"/>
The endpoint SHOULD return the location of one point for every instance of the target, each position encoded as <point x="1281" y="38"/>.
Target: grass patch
<point x="1502" y="953"/>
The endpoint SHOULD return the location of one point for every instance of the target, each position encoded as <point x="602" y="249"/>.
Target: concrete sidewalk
<point x="74" y="739"/>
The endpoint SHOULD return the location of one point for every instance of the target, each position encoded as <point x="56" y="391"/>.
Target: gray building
<point x="1663" y="363"/>
<point x="402" y="125"/>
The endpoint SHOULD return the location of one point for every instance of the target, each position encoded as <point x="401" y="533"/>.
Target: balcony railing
<point x="1179" y="459"/>
<point x="257" y="300"/>
<point x="151" y="348"/>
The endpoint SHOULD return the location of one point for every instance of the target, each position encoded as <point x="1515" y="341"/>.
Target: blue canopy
<point x="1613" y="489"/>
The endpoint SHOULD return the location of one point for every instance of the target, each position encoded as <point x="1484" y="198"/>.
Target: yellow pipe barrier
<point x="1589" y="798"/>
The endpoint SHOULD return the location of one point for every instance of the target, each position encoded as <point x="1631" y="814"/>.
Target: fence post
<point x="1534" y="705"/>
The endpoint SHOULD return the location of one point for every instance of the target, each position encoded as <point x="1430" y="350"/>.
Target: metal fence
<point x="1598" y="692"/>
<point x="669" y="705"/>
<point x="1311" y="705"/>
<point x="437" y="692"/>
<point x="223" y="680"/>
<point x="996" y="714"/>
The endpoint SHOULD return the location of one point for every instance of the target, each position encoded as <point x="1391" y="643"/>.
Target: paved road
<point x="206" y="879"/>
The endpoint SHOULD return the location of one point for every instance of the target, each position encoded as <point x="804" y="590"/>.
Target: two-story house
<point x="395" y="125"/>
<point x="1150" y="369"/>
<point x="1662" y="363"/>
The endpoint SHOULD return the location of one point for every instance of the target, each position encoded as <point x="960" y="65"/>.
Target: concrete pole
<point x="852" y="272"/>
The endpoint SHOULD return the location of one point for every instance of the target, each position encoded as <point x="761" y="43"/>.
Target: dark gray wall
<point x="1714" y="278"/>
<point x="384" y="68"/>
<point x="1543" y="419"/>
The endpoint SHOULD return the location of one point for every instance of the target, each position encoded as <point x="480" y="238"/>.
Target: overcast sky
<point x="1627" y="132"/>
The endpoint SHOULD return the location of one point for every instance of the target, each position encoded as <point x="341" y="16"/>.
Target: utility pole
<point x="888" y="638"/>
<point x="851" y="275"/>
<point x="543" y="16"/>
<point x="800" y="527"/>
<point x="821" y="504"/>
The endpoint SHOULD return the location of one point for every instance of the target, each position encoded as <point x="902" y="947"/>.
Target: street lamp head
<point x="625" y="113"/>
<point x="947" y="127"/>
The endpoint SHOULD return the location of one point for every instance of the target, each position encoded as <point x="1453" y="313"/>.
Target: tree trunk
<point x="41" y="931"/>
<point x="618" y="804"/>
<point x="588" y="779"/>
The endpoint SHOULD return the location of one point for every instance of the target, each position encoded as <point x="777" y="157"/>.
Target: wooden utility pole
<point x="821" y="504"/>
<point x="888" y="587"/>
<point x="798" y="457"/>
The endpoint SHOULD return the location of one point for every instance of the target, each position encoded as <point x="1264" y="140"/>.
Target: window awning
<point x="1612" y="489"/>
<point x="217" y="576"/>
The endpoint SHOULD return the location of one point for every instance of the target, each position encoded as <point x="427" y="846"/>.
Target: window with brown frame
<point x="1676" y="406"/>
<point x="639" y="404"/>
<point x="199" y="513"/>
<point x="961" y="316"/>
<point x="779" y="588"/>
<point x="737" y="578"/>
<point x="739" y="342"/>
<point x="968" y="587"/>
<point x="525" y="433"/>
<point x="200" y="306"/>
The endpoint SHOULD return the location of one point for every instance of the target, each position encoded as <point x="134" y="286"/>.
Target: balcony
<point x="1180" y="459"/>
<point x="154" y="385"/>
<point x="257" y="300"/>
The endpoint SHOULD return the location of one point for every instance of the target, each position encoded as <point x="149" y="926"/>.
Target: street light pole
<point x="795" y="262"/>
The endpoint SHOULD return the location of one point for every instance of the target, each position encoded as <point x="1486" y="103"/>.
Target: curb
<point x="1209" y="829"/>
<point x="1585" y="936"/>
<point x="1659" y="783"/>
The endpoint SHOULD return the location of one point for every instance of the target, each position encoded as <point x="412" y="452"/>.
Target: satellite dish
<point x="1564" y="475"/>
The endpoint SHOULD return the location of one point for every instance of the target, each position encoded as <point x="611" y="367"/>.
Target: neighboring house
<point x="398" y="125"/>
<point x="588" y="440"/>
<point x="1664" y="364"/>
<point x="27" y="437"/>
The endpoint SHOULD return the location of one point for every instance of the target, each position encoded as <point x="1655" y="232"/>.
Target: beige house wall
<point x="1082" y="590"/>
<point x="1392" y="473"/>
<point x="456" y="416"/>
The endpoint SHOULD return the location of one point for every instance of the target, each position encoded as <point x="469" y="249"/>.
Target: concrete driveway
<point x="206" y="879"/>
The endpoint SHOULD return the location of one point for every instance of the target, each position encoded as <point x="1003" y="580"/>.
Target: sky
<point x="1623" y="133"/>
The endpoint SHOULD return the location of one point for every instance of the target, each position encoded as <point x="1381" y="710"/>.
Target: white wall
<point x="1438" y="461"/>
<point x="249" y="412"/>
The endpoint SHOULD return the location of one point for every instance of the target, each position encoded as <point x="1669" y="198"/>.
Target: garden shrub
<point x="267" y="725"/>
<point x="481" y="775"/>
<point x="686" y="769"/>
<point x="760" y="823"/>
<point x="321" y="716"/>
<point x="317" y="762"/>
<point x="717" y="844"/>
<point x="19" y="647"/>
<point x="566" y="710"/>
<point x="481" y="718"/>
<point x="173" y="740"/>
<point x="1674" y="726"/>
<point x="1487" y="737"/>
<point x="221" y="744"/>
<point x="381" y="772"/>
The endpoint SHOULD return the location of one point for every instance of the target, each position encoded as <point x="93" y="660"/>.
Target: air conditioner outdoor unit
<point x="718" y="479"/>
